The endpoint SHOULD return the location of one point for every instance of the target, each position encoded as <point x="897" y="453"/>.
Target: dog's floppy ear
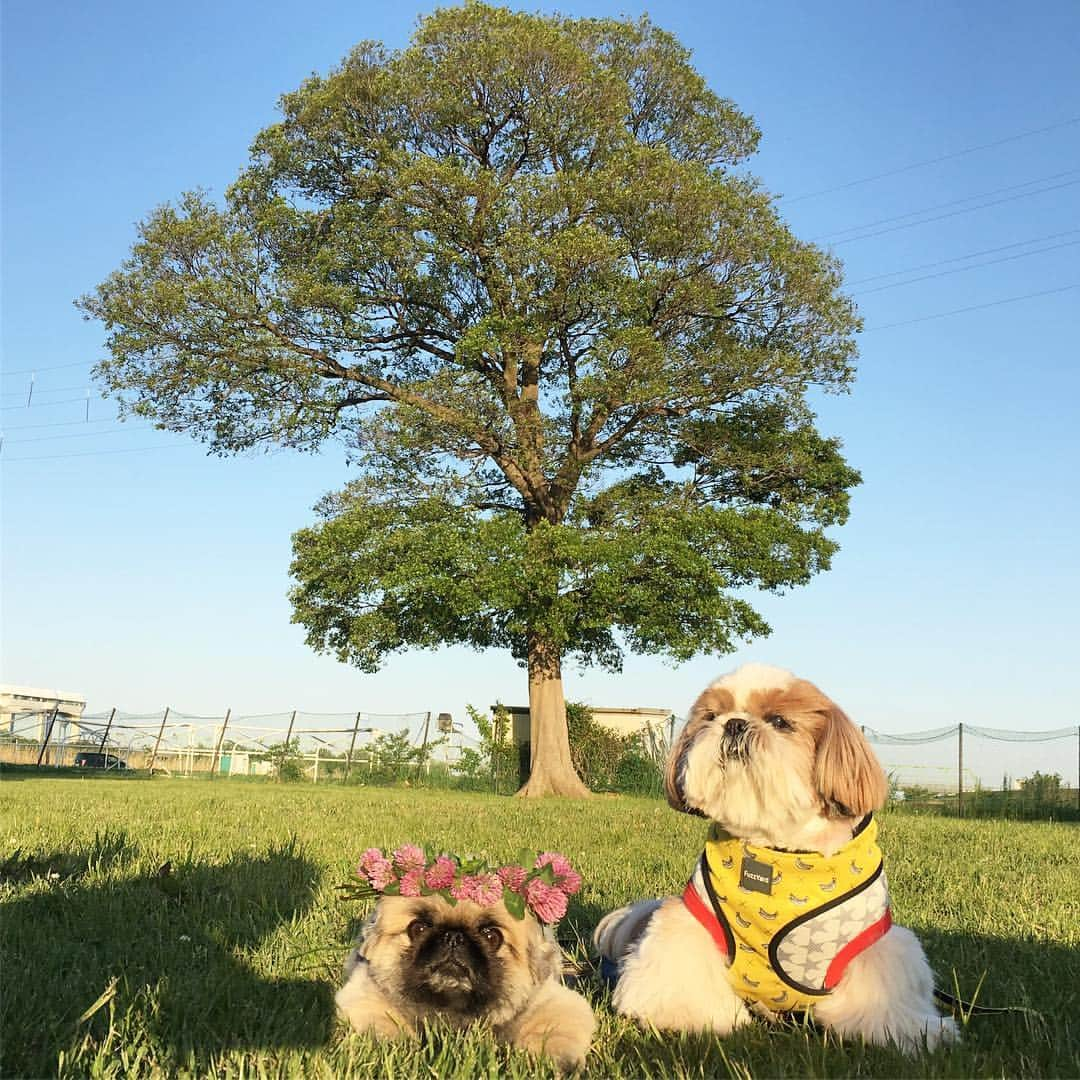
<point x="849" y="778"/>
<point x="711" y="703"/>
<point x="676" y="771"/>
<point x="544" y="955"/>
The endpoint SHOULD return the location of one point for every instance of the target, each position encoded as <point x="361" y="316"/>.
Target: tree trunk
<point x="551" y="770"/>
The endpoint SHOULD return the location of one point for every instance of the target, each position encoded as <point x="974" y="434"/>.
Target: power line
<point x="93" y="453"/>
<point x="974" y="266"/>
<point x="43" y="390"/>
<point x="65" y="423"/>
<point x="81" y="434"/>
<point x="54" y="367"/>
<point x="43" y="404"/>
<point x="961" y="258"/>
<point x="973" y="307"/>
<point x="955" y="213"/>
<point x="867" y="330"/>
<point x="956" y="202"/>
<point x="853" y="228"/>
<point x="933" y="161"/>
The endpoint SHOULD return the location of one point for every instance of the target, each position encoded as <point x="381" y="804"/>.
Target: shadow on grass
<point x="10" y="772"/>
<point x="158" y="958"/>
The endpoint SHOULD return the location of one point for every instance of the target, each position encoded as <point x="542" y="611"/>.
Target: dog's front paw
<point x="931" y="1031"/>
<point x="661" y="1006"/>
<point x="568" y="1051"/>
<point x="914" y="1033"/>
<point x="558" y="1023"/>
<point x="675" y="980"/>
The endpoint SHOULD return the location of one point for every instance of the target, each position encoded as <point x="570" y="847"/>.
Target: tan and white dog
<point x="788" y="907"/>
<point x="421" y="959"/>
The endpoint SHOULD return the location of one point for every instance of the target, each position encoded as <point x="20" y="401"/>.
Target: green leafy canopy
<point x="516" y="268"/>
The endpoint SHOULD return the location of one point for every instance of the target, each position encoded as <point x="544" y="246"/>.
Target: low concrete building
<point x="26" y="710"/>
<point x="621" y="721"/>
<point x="26" y="715"/>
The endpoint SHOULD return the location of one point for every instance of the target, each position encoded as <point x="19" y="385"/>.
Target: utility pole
<point x="108" y="726"/>
<point x="157" y="741"/>
<point x="48" y="732"/>
<point x="221" y="739"/>
<point x="960" y="769"/>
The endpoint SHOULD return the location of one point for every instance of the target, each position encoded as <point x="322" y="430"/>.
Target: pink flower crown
<point x="542" y="883"/>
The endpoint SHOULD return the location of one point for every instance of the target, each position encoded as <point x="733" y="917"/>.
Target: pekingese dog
<point x="787" y="909"/>
<point x="420" y="958"/>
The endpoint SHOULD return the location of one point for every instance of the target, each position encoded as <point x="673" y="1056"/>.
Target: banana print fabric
<point x="790" y="922"/>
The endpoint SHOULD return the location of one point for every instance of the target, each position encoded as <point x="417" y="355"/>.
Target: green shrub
<point x="285" y="759"/>
<point x="608" y="761"/>
<point x="1042" y="787"/>
<point x="392" y="758"/>
<point x="494" y="767"/>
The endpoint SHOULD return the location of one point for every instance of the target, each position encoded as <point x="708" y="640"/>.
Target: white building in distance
<point x="25" y="711"/>
<point x="620" y="721"/>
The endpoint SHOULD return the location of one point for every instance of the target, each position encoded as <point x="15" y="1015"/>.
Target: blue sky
<point x="142" y="573"/>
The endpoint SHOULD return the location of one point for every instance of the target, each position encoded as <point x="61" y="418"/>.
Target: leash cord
<point x="963" y="1009"/>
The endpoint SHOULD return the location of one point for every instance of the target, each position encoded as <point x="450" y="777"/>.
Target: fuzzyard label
<point x="756" y="876"/>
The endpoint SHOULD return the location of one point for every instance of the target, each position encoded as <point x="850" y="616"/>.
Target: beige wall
<point x="622" y="721"/>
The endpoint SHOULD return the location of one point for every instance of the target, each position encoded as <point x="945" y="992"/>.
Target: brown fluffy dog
<point x="421" y="958"/>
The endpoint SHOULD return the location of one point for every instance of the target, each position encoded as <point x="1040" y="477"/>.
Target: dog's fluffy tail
<point x="619" y="931"/>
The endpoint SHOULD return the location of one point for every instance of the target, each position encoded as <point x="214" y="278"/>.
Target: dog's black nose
<point x="735" y="727"/>
<point x="453" y="938"/>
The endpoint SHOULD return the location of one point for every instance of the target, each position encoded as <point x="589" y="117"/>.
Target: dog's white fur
<point x="799" y="789"/>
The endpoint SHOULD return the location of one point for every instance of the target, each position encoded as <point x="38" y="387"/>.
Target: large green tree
<point x="516" y="268"/>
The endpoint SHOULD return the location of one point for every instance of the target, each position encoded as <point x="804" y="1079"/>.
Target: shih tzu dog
<point x="467" y="948"/>
<point x="788" y="908"/>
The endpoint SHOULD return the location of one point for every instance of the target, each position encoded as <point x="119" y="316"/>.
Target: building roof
<point x="39" y="694"/>
<point x="641" y="711"/>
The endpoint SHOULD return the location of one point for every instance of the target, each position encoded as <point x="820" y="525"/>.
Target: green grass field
<point x="226" y="964"/>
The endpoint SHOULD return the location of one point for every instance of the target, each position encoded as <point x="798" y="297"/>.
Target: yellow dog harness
<point x="789" y="922"/>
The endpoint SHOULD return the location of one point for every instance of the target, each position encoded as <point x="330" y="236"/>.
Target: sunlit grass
<point x="169" y="928"/>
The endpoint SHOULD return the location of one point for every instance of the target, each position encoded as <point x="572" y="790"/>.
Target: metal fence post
<point x="108" y="727"/>
<point x="960" y="769"/>
<point x="48" y="732"/>
<point x="157" y="741"/>
<point x="352" y="744"/>
<point x="286" y="745"/>
<point x="221" y="739"/>
<point x="423" y="745"/>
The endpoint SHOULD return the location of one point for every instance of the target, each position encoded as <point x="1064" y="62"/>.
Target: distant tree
<point x="514" y="267"/>
<point x="286" y="760"/>
<point x="393" y="756"/>
<point x="496" y="761"/>
<point x="1042" y="787"/>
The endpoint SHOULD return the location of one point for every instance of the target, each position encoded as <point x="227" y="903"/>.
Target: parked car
<point x="98" y="761"/>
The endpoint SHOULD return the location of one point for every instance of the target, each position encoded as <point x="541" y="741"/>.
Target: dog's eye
<point x="417" y="929"/>
<point x="778" y="722"/>
<point x="492" y="936"/>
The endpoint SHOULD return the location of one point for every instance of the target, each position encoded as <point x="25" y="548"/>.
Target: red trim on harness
<point x="705" y="916"/>
<point x="855" y="946"/>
